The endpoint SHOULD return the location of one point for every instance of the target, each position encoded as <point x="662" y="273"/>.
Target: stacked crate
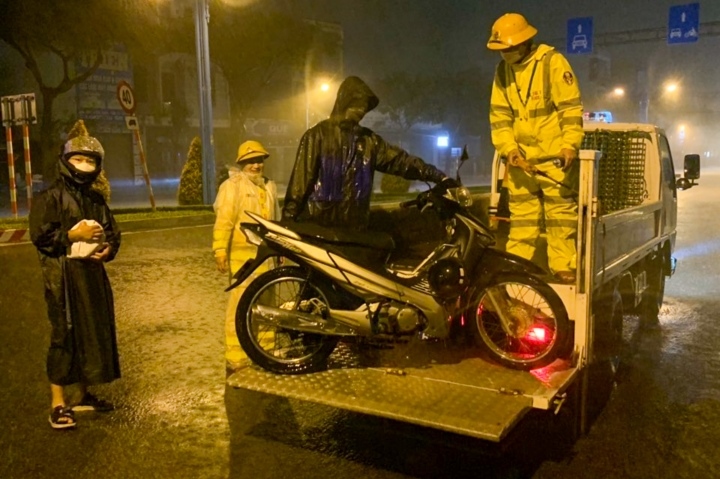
<point x="621" y="172"/>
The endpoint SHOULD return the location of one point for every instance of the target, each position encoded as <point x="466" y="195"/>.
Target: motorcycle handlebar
<point x="409" y="203"/>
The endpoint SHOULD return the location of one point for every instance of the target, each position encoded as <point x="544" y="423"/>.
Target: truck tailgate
<point x="431" y="385"/>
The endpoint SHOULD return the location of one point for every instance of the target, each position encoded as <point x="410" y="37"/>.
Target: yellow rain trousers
<point x="535" y="107"/>
<point x="236" y="196"/>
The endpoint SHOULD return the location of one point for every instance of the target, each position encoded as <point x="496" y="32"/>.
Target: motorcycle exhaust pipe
<point x="299" y="321"/>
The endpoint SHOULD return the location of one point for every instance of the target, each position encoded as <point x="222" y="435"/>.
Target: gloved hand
<point x="515" y="158"/>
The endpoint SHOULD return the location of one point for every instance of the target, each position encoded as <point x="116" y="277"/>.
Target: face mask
<point x="512" y="57"/>
<point x="84" y="167"/>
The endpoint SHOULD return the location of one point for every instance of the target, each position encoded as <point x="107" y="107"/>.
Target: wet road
<point x="177" y="419"/>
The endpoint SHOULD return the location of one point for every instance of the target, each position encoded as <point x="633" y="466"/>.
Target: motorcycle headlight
<point x="463" y="196"/>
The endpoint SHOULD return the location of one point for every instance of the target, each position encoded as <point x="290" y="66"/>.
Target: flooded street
<point x="662" y="420"/>
<point x="176" y="418"/>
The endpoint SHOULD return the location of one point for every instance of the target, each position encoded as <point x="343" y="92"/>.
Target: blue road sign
<point x="580" y="35"/>
<point x="683" y="23"/>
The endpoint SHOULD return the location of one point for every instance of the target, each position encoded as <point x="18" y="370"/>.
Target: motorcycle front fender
<point x="495" y="261"/>
<point x="263" y="254"/>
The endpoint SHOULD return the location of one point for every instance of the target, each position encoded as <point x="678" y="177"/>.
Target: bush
<point x="190" y="190"/>
<point x="394" y="184"/>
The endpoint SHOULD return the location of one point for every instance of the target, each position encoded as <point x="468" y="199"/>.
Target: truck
<point x="626" y="230"/>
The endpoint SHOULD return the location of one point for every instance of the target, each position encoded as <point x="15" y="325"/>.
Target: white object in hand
<point x="84" y="249"/>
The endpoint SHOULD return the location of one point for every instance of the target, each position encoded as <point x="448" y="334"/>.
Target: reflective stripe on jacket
<point x="536" y="106"/>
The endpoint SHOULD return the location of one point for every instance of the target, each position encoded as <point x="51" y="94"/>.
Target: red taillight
<point x="539" y="334"/>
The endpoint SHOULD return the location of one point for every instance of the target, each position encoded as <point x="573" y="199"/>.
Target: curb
<point x="23" y="235"/>
<point x="128" y="226"/>
<point x="14" y="236"/>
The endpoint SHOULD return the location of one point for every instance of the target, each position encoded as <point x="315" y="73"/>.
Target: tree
<point x="49" y="33"/>
<point x="406" y="99"/>
<point x="253" y="48"/>
<point x="461" y="100"/>
<point x="190" y="190"/>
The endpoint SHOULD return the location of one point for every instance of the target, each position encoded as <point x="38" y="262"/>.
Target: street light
<point x="619" y="92"/>
<point x="324" y="87"/>
<point x="669" y="90"/>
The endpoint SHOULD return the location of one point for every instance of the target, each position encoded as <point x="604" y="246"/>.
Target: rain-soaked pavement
<point x="177" y="419"/>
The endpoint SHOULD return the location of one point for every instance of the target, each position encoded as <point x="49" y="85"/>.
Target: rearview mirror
<point x="692" y="167"/>
<point x="463" y="158"/>
<point x="692" y="172"/>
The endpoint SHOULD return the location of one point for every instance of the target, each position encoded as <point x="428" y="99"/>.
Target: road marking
<point x="164" y="229"/>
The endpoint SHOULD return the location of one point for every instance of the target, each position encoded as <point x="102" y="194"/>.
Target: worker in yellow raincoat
<point x="535" y="119"/>
<point x="246" y="190"/>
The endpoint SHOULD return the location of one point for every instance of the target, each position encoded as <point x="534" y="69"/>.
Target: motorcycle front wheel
<point x="277" y="349"/>
<point x="521" y="322"/>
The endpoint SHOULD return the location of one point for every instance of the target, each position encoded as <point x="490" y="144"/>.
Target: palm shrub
<point x="190" y="190"/>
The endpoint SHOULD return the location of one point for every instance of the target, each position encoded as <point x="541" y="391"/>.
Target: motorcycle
<point x="290" y="319"/>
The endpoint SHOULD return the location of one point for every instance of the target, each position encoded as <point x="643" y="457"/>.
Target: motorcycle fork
<point x="499" y="304"/>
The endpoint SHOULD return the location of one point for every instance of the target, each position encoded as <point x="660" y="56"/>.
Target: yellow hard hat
<point x="251" y="149"/>
<point x="509" y="30"/>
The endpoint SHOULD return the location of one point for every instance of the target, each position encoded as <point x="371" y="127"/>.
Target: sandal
<point x="90" y="402"/>
<point x="62" y="418"/>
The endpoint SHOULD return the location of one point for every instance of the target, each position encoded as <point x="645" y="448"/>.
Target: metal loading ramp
<point x="425" y="384"/>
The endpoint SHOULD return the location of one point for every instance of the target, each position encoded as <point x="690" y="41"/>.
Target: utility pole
<point x="202" y="18"/>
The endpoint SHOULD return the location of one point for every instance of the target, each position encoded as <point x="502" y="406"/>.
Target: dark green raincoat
<point x="83" y="345"/>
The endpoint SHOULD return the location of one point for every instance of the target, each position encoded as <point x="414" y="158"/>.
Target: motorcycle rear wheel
<point x="536" y="330"/>
<point x="276" y="349"/>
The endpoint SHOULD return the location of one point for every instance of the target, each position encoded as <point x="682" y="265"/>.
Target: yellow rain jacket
<point x="535" y="107"/>
<point x="237" y="195"/>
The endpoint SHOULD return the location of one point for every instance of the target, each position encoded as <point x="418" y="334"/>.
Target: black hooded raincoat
<point x="332" y="179"/>
<point x="83" y="345"/>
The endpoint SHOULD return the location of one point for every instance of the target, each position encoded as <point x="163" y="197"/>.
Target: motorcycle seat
<point x="341" y="236"/>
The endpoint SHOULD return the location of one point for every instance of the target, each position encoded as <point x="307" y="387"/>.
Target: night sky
<point x="431" y="35"/>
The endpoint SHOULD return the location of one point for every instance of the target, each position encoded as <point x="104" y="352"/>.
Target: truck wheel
<point x="521" y="322"/>
<point x="608" y="312"/>
<point x="276" y="349"/>
<point x="653" y="296"/>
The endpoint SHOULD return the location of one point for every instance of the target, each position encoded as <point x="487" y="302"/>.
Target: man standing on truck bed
<point x="535" y="117"/>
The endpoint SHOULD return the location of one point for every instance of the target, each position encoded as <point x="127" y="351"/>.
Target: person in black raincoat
<point x="75" y="233"/>
<point x="332" y="179"/>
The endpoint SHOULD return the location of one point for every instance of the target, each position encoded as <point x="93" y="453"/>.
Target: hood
<point x="353" y="90"/>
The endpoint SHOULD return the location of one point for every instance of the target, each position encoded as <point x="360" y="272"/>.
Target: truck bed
<point x="429" y="384"/>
